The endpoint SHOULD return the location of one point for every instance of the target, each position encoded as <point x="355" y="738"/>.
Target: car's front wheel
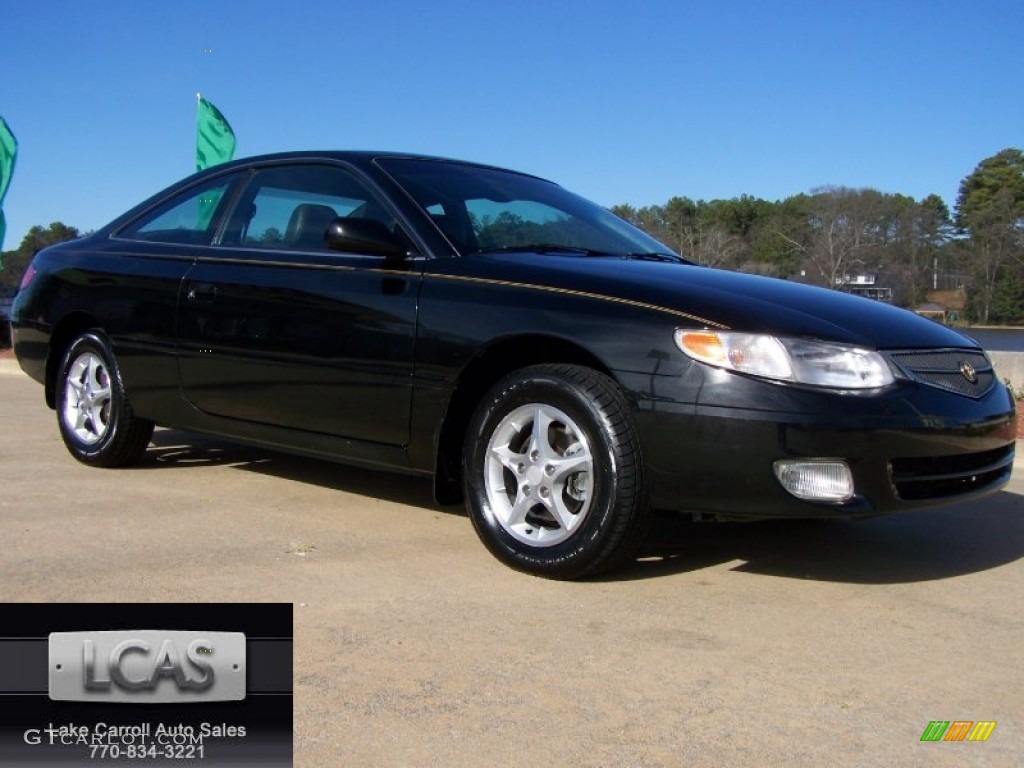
<point x="553" y="473"/>
<point x="96" y="420"/>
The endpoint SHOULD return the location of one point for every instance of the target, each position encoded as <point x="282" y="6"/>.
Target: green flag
<point x="8" y="154"/>
<point x="215" y="141"/>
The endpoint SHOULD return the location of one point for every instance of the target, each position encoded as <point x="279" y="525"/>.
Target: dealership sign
<point x="147" y="666"/>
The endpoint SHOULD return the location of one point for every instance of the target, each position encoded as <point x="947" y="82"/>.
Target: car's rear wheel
<point x="553" y="473"/>
<point x="96" y="420"/>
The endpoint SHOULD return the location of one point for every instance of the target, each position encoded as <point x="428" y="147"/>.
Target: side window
<point x="290" y="208"/>
<point x="188" y="218"/>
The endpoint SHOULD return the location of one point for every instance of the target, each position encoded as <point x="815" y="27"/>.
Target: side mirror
<point x="363" y="236"/>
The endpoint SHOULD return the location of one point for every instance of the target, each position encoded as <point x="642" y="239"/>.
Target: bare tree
<point x="713" y="245"/>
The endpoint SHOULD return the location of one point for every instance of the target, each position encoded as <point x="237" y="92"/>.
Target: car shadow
<point x="920" y="545"/>
<point x="170" y="447"/>
<point x="913" y="546"/>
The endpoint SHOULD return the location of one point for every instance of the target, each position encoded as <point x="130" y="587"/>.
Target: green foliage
<point x="625" y="212"/>
<point x="835" y="233"/>
<point x="510" y="229"/>
<point x="993" y="195"/>
<point x="13" y="263"/>
<point x="1007" y="298"/>
<point x="990" y="211"/>
<point x="822" y="237"/>
<point x="271" y="236"/>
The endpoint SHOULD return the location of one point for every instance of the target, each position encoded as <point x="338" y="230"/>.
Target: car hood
<point x="739" y="301"/>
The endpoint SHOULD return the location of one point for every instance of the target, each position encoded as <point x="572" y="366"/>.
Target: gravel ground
<point x="784" y="644"/>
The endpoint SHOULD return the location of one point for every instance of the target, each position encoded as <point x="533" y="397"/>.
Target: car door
<point x="135" y="280"/>
<point x="276" y="329"/>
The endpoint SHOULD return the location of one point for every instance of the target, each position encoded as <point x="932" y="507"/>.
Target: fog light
<point x="816" y="480"/>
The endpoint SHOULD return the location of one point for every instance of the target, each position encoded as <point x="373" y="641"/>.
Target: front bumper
<point x="909" y="447"/>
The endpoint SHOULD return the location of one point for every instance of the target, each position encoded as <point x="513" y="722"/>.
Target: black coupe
<point x="541" y="358"/>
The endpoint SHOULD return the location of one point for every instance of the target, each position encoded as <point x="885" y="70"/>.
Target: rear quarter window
<point x="189" y="218"/>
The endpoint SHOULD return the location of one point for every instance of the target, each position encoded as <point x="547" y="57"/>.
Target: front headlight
<point x="817" y="363"/>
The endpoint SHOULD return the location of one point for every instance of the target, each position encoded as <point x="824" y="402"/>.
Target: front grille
<point x="948" y="369"/>
<point x="939" y="477"/>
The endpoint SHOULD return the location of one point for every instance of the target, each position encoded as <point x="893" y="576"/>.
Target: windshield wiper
<point x="555" y="248"/>
<point x="540" y="248"/>
<point x="656" y="256"/>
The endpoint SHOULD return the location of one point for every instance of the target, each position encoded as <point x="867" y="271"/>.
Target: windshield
<point x="483" y="210"/>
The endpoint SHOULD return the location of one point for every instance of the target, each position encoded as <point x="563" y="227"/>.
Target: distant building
<point x="933" y="311"/>
<point x="866" y="286"/>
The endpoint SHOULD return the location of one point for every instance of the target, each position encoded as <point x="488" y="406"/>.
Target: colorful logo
<point x="958" y="730"/>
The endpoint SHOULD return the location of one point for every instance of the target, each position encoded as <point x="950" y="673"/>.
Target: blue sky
<point x="619" y="101"/>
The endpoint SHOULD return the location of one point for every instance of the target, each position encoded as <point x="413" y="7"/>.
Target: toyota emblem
<point x="968" y="372"/>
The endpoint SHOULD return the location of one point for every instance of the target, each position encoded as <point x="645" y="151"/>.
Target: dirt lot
<point x="760" y="644"/>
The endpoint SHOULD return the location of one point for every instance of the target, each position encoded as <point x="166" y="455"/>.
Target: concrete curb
<point x="1009" y="367"/>
<point x="9" y="366"/>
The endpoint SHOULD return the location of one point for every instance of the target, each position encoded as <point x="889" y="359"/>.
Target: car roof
<point x="354" y="156"/>
<point x="360" y="158"/>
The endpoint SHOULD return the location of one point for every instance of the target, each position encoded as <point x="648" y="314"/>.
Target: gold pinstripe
<point x="582" y="294"/>
<point x="488" y="281"/>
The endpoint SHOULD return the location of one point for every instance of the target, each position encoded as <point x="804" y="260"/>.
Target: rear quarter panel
<point x="129" y="295"/>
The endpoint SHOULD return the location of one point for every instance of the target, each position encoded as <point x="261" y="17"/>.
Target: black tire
<point x="565" y="499"/>
<point x="95" y="418"/>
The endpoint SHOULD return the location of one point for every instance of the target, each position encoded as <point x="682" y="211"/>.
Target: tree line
<point x="827" y="237"/>
<point x="834" y="234"/>
<point x="13" y="263"/>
